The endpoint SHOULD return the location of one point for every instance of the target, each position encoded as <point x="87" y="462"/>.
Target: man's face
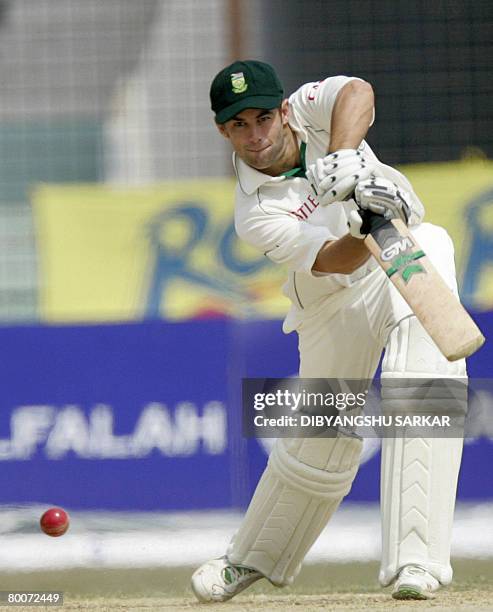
<point x="257" y="135"/>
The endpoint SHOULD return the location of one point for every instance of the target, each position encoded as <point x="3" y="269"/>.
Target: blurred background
<point x="130" y="311"/>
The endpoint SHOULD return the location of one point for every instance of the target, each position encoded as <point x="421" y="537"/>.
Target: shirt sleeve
<point x="282" y="238"/>
<point x="313" y="103"/>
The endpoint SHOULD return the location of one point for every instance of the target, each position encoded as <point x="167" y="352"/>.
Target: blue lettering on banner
<point x="171" y="262"/>
<point x="480" y="255"/>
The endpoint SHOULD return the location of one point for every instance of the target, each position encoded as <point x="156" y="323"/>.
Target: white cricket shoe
<point x="220" y="580"/>
<point x="414" y="582"/>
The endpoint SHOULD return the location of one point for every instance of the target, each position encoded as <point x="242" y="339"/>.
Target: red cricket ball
<point x="54" y="522"/>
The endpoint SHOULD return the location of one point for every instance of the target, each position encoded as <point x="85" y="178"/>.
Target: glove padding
<point x="334" y="177"/>
<point x="354" y="224"/>
<point x="383" y="197"/>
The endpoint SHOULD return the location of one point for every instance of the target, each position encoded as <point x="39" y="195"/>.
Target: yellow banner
<point x="108" y="254"/>
<point x="459" y="197"/>
<point x="168" y="251"/>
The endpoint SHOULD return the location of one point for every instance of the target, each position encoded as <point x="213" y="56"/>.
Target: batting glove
<point x="383" y="197"/>
<point x="334" y="177"/>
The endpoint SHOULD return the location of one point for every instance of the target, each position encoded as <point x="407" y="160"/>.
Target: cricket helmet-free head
<point x="241" y="85"/>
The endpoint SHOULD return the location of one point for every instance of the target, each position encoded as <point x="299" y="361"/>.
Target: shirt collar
<point x="250" y="179"/>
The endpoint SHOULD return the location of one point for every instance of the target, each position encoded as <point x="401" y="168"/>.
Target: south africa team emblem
<point x="238" y="82"/>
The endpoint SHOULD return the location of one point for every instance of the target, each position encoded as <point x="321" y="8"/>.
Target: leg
<point x="306" y="479"/>
<point x="419" y="475"/>
<point x="302" y="486"/>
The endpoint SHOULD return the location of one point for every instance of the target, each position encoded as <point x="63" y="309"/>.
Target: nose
<point x="255" y="134"/>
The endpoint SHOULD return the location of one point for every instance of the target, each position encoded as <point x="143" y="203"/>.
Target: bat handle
<point x="372" y="221"/>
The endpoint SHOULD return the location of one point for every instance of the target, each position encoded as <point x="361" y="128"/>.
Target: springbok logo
<point x="397" y="247"/>
<point x="238" y="82"/>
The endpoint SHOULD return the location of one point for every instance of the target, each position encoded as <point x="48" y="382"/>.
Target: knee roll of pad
<point x="313" y="480"/>
<point x="427" y="397"/>
<point x="418" y="380"/>
<point x="292" y="504"/>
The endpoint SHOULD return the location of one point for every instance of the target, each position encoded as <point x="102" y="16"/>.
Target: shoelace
<point x="234" y="573"/>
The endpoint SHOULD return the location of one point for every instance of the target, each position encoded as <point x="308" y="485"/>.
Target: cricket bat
<point x="419" y="283"/>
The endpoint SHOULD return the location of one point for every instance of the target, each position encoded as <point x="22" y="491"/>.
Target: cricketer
<point x="305" y="177"/>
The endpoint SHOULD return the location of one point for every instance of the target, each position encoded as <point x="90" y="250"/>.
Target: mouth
<point x="259" y="150"/>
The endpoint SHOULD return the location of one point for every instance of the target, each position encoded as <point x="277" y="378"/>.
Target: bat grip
<point x="371" y="221"/>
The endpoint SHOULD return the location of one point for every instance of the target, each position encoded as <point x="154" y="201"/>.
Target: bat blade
<point x="417" y="280"/>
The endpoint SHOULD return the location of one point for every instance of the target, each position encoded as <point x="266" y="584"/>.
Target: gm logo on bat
<point x="403" y="259"/>
<point x="397" y="247"/>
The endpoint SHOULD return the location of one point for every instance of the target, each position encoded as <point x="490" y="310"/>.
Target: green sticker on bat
<point x="405" y="265"/>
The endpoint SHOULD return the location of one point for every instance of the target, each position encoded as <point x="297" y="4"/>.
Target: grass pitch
<point x="328" y="587"/>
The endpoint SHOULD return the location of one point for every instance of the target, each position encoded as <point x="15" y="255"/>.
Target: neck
<point x="290" y="156"/>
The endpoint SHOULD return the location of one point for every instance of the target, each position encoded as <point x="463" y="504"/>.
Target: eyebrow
<point x="266" y="111"/>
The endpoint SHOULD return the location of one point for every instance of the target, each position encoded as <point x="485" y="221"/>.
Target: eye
<point x="238" y="124"/>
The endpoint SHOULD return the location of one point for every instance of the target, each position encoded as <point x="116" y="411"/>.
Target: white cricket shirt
<point x="281" y="217"/>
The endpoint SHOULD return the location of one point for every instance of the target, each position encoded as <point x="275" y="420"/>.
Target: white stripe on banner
<point x="122" y="540"/>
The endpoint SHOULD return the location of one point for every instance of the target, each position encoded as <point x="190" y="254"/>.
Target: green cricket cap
<point x="241" y="85"/>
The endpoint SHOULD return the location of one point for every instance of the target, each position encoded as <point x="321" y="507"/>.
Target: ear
<point x="222" y="130"/>
<point x="284" y="111"/>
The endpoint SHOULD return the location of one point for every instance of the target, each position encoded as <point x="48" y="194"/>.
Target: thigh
<point x="339" y="341"/>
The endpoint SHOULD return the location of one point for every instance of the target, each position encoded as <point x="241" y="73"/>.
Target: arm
<point x="341" y="256"/>
<point x="334" y="177"/>
<point x="352" y="115"/>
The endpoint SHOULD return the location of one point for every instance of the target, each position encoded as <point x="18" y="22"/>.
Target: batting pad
<point x="419" y="475"/>
<point x="303" y="484"/>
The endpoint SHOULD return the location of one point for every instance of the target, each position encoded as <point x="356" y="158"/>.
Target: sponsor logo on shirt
<point x="305" y="210"/>
<point x="312" y="94"/>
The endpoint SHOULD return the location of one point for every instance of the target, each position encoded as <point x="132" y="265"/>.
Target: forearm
<point x="352" y="116"/>
<point x="341" y="256"/>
